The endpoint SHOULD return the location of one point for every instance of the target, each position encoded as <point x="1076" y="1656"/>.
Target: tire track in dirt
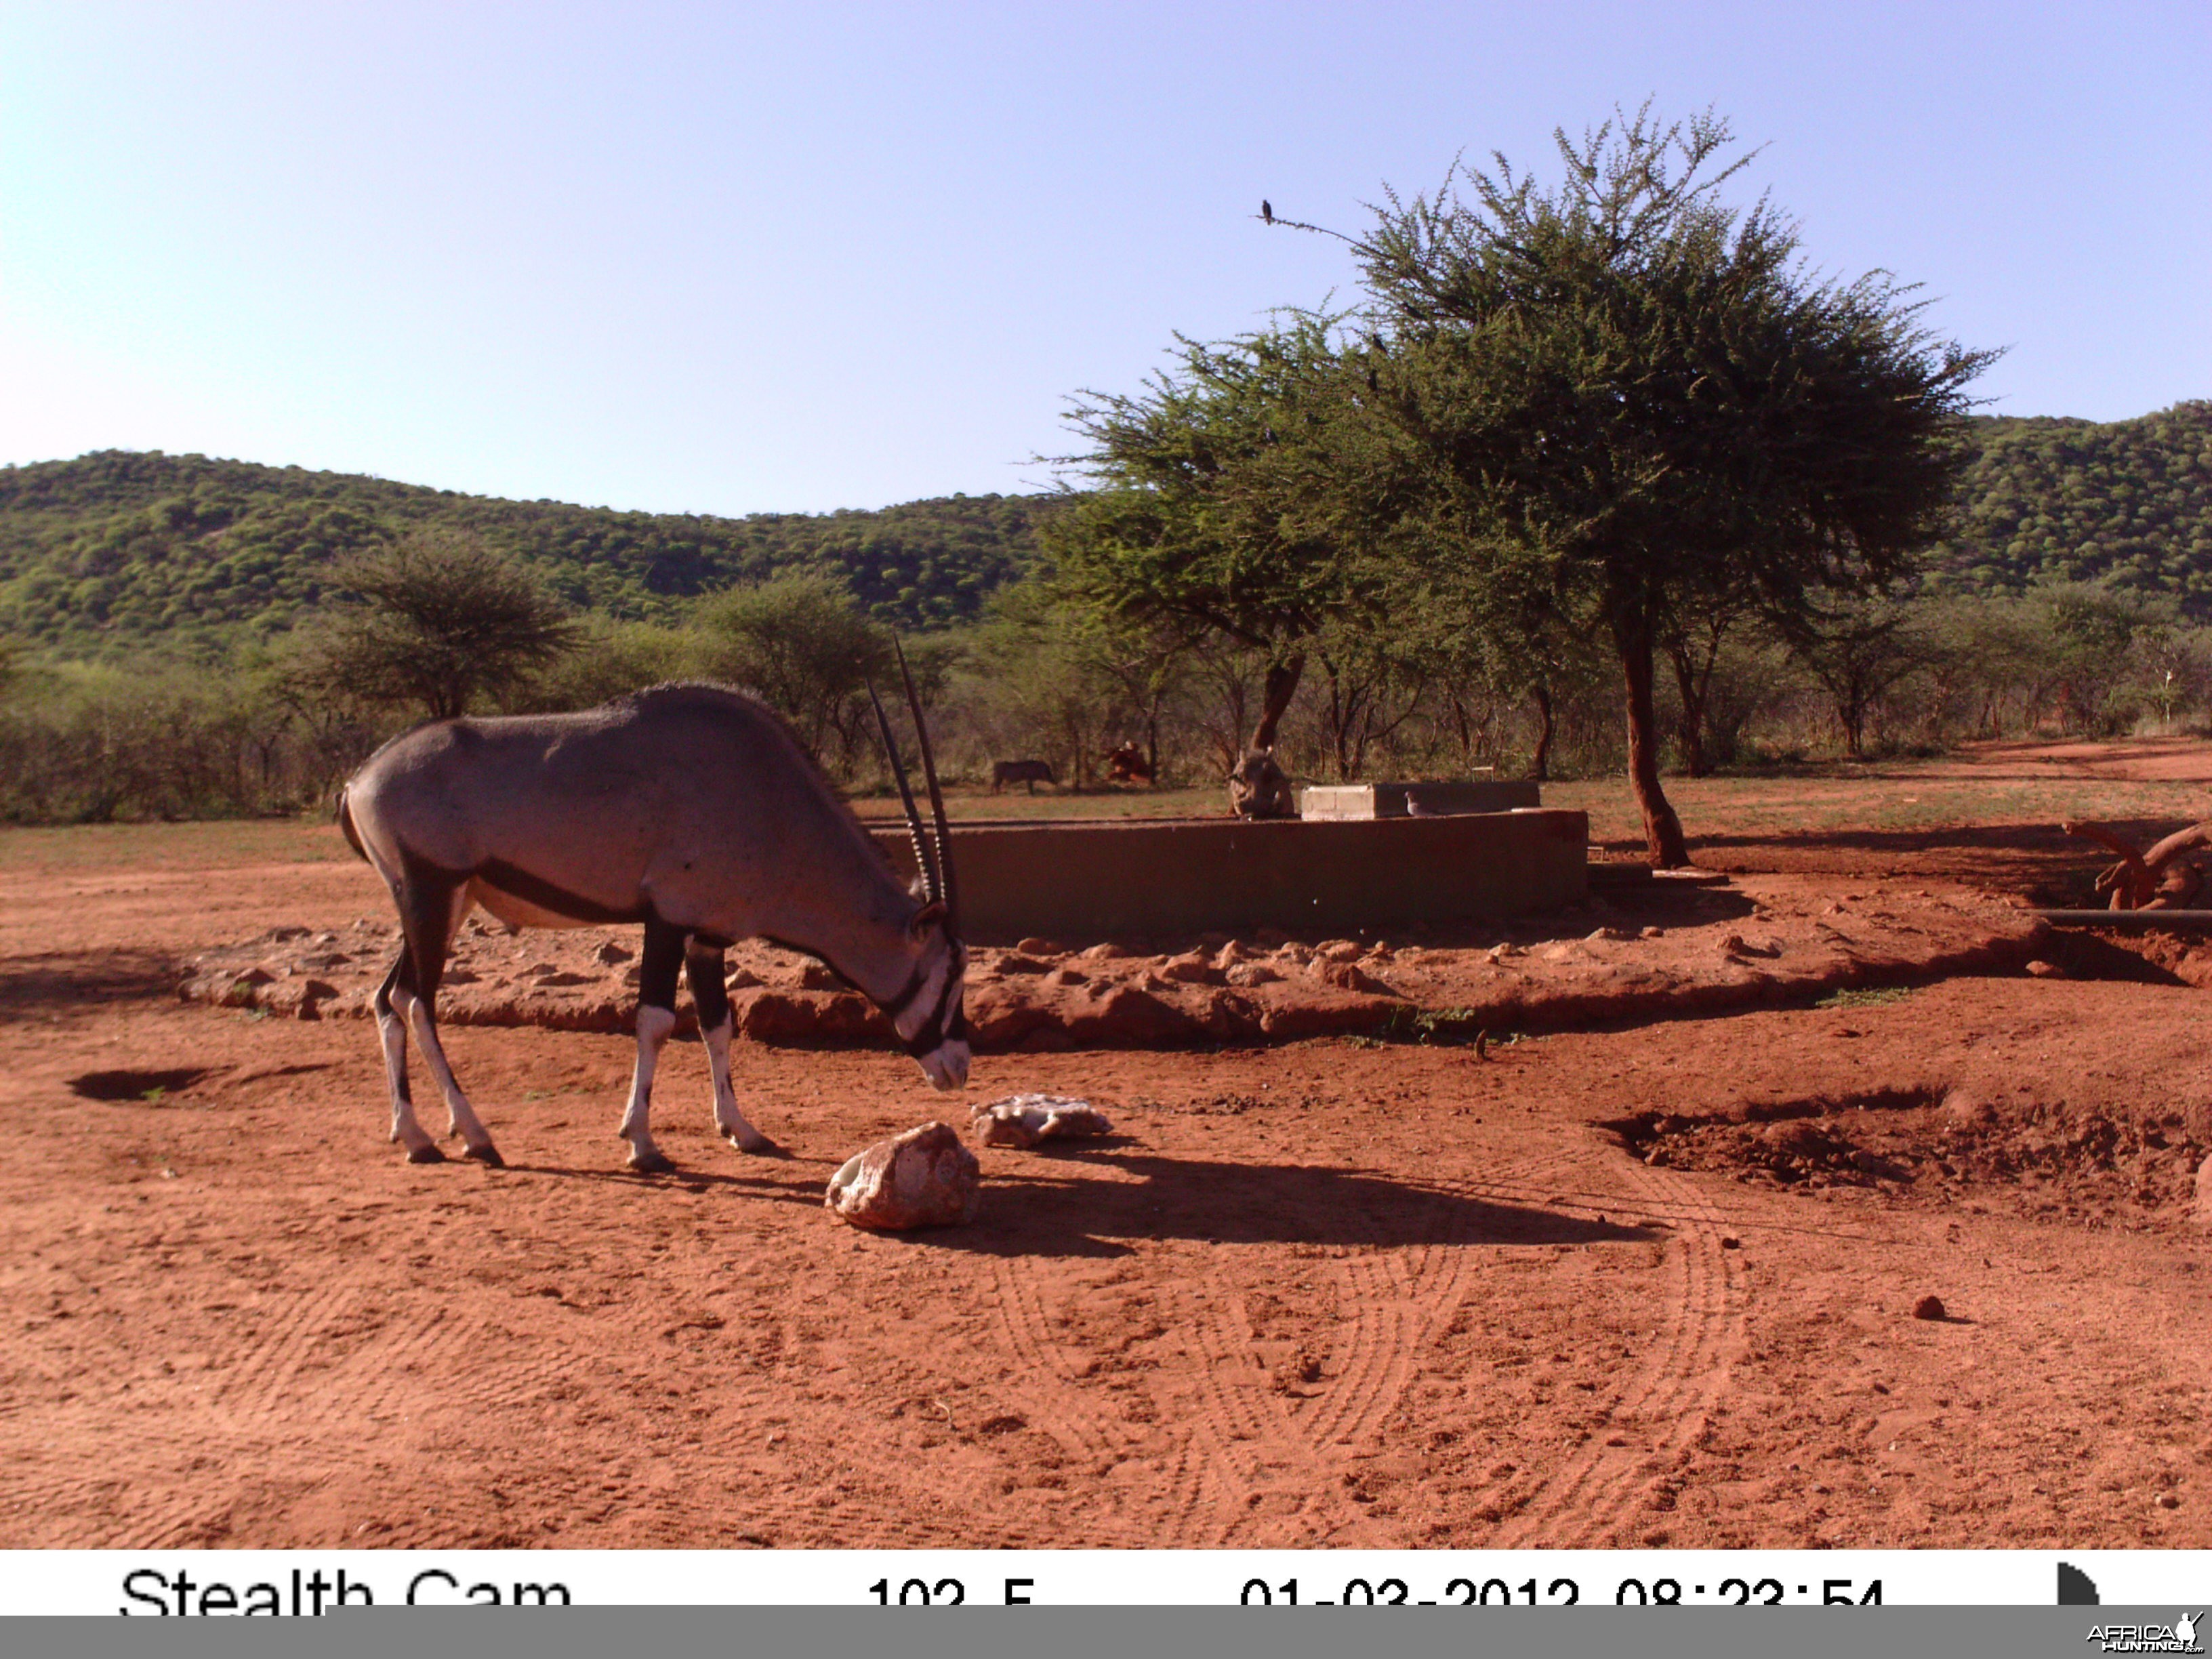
<point x="372" y="1384"/>
<point x="1572" y="1177"/>
<point x="1717" y="1308"/>
<point x="1250" y="1445"/>
<point x="1594" y="1495"/>
<point x="1403" y="1299"/>
<point x="250" y="1391"/>
<point x="230" y="1427"/>
<point x="136" y="1476"/>
<point x="1044" y="1383"/>
<point x="1054" y="1402"/>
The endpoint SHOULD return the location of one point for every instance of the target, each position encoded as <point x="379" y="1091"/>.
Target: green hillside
<point x="118" y="550"/>
<point x="2078" y="501"/>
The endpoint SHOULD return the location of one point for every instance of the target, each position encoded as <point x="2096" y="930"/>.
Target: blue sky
<point x="730" y="259"/>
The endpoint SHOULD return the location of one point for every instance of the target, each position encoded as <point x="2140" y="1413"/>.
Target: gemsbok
<point x="689" y="808"/>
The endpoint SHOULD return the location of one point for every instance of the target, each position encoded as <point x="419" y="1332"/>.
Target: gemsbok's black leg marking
<point x="702" y="968"/>
<point x="656" y="969"/>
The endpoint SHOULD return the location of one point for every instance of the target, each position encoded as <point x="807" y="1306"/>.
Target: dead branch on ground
<point x="2156" y="878"/>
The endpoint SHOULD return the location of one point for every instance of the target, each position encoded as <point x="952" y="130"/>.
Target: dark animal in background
<point x="1127" y="764"/>
<point x="1259" y="788"/>
<point x="1030" y="772"/>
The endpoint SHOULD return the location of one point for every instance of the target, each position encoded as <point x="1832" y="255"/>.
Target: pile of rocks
<point x="1764" y="940"/>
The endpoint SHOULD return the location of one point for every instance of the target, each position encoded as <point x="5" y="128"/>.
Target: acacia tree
<point x="438" y="620"/>
<point x="1859" y="648"/>
<point x="1631" y="397"/>
<point x="1206" y="515"/>
<point x="802" y="646"/>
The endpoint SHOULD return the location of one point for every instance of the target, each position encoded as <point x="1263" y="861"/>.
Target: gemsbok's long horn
<point x="951" y="891"/>
<point x="932" y="887"/>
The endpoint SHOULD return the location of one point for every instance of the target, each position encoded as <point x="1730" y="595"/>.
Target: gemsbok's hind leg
<point x="392" y="1028"/>
<point x="656" y="1017"/>
<point x="428" y="917"/>
<point x="703" y="967"/>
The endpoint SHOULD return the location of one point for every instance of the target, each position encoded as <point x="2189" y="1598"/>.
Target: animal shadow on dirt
<point x="1046" y="1214"/>
<point x="58" y="980"/>
<point x="152" y="1088"/>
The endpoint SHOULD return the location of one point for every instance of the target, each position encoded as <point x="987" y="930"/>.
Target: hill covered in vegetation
<point x="2081" y="501"/>
<point x="119" y="549"/>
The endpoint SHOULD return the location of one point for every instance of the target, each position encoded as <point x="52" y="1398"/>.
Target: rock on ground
<point x="923" y="1178"/>
<point x="1023" y="1121"/>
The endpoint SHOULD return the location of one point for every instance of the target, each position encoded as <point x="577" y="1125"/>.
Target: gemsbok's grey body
<point x="687" y="808"/>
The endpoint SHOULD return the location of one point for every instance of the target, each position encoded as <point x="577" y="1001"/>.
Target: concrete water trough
<point x="1078" y="882"/>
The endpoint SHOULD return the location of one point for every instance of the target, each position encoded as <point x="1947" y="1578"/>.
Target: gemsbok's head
<point x="931" y="1023"/>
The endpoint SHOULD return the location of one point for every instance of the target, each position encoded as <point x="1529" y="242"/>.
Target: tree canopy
<point x="439" y="622"/>
<point x="1629" y="387"/>
<point x="1205" y="512"/>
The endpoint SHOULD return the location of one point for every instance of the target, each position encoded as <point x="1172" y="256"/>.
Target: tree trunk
<point x="1539" y="766"/>
<point x="1692" y="688"/>
<point x="1282" y="685"/>
<point x="1663" y="830"/>
<point x="1854" y="724"/>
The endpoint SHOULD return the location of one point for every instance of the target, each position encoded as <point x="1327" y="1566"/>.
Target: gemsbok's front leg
<point x="702" y="966"/>
<point x="656" y="1017"/>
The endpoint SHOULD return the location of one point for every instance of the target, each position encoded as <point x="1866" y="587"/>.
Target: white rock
<point x="1024" y="1120"/>
<point x="923" y="1178"/>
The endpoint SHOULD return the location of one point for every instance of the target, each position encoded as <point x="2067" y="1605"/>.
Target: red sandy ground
<point x="1651" y="1284"/>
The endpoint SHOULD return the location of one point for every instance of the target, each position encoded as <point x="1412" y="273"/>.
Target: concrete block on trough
<point x="1416" y="800"/>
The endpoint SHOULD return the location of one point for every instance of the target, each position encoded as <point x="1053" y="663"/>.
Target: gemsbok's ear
<point x="928" y="917"/>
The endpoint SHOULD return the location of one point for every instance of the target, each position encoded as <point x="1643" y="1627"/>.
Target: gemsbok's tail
<point x="345" y="827"/>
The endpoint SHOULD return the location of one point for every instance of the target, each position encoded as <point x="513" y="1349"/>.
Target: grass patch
<point x="1872" y="999"/>
<point x="209" y="844"/>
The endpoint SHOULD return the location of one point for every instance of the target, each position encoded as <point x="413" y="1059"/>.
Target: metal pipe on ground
<point x="2133" y="921"/>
